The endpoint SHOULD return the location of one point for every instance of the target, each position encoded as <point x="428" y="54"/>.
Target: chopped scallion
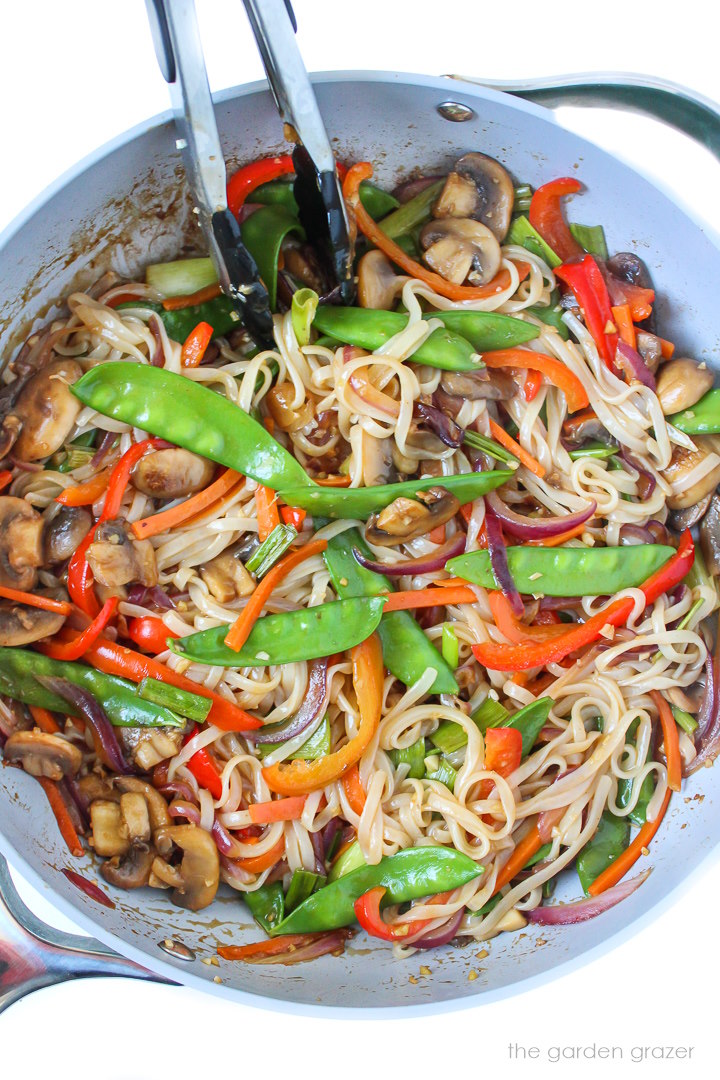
<point x="271" y="549"/>
<point x="302" y="313"/>
<point x="414" y="756"/>
<point x="591" y="238"/>
<point x="684" y="720"/>
<point x="302" y="884"/>
<point x="525" y="235"/>
<point x="183" y="277"/>
<point x="489" y="446"/>
<point x="450" y="646"/>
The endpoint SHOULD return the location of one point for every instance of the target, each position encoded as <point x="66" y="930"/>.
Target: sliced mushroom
<point x="116" y="558"/>
<point x="93" y="787"/>
<point x="147" y="747"/>
<point x="63" y="532"/>
<point x="280" y="405"/>
<point x="378" y="284"/>
<point x="46" y="410"/>
<point x="226" y="576"/>
<point x="479" y="385"/>
<point x="41" y="754"/>
<point x="199" y="869"/>
<point x="131" y="870"/>
<point x="19" y="625"/>
<point x="302" y="262"/>
<point x="21" y="550"/>
<point x="109" y="836"/>
<point x="171" y="473"/>
<point x="583" y="426"/>
<point x="9" y="433"/>
<point x="495" y="191"/>
<point x="710" y="536"/>
<point x="134" y="810"/>
<point x="376" y="460"/>
<point x="681" y="383"/>
<point x="156" y="805"/>
<point x="163" y="875"/>
<point x="650" y="348"/>
<point x="459" y="198"/>
<point x="680" y="520"/>
<point x="404" y="519"/>
<point x="692" y="474"/>
<point x="457" y="248"/>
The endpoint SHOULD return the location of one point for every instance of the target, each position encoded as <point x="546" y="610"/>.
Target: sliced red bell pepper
<point x="586" y="281"/>
<point x="293" y="515"/>
<point x="367" y="913"/>
<point x="503" y="750"/>
<point x="204" y="769"/>
<point x="73" y="650"/>
<point x="150" y="634"/>
<point x="251" y="176"/>
<point x="546" y="215"/>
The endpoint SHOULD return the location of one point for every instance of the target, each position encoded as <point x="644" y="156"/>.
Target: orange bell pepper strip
<point x="670" y="741"/>
<point x="293" y="515"/>
<point x="255" y="864"/>
<point x="619" y="868"/>
<point x="554" y="371"/>
<point x="532" y="384"/>
<point x="513" y="629"/>
<point x="503" y="750"/>
<point x="354" y="791"/>
<point x="86" y="493"/>
<point x="5" y="478"/>
<point x="367" y="913"/>
<point x="351" y="190"/>
<point x="266" y="813"/>
<point x="176" y="303"/>
<point x="302" y="777"/>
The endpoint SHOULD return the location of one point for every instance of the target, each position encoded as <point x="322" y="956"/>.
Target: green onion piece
<point x="591" y="238"/>
<point x="489" y="446"/>
<point x="698" y="574"/>
<point x="444" y="774"/>
<point x="411" y="213"/>
<point x="540" y="854"/>
<point x="525" y="235"/>
<point x="182" y="277"/>
<point x="193" y="706"/>
<point x="271" y="549"/>
<point x="74" y="457"/>
<point x="490" y="714"/>
<point x="351" y="859"/>
<point x="317" y="746"/>
<point x="684" y="720"/>
<point x="302" y="313"/>
<point x="414" y="756"/>
<point x="594" y="450"/>
<point x="86" y="439"/>
<point x="450" y="646"/>
<point x="551" y="314"/>
<point x="523" y="198"/>
<point x="487" y="906"/>
<point x="409" y="244"/>
<point x="302" y="884"/>
<point x="449" y="737"/>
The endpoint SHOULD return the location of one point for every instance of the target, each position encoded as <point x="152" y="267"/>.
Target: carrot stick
<point x="354" y="790"/>
<point x="450" y="582"/>
<point x="60" y="607"/>
<point x="240" y="629"/>
<point x="263" y="813"/>
<point x="5" y="478"/>
<point x="86" y="493"/>
<point x="422" y="598"/>
<point x="670" y="740"/>
<point x="334" y="481"/>
<point x="524" y="850"/>
<point x="622" y="317"/>
<point x="619" y="868"/>
<point x="555" y="541"/>
<point x="216" y="508"/>
<point x="666" y="348"/>
<point x="267" y="511"/>
<point x="178" y="515"/>
<point x="195" y="345"/>
<point x="175" y="303"/>
<point x="255" y="864"/>
<point x="62" y="816"/>
<point x="437" y="535"/>
<point x="515" y="448"/>
<point x="44" y="720"/>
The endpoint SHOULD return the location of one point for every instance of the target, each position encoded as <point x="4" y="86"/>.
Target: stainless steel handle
<point x="689" y="112"/>
<point x="34" y="955"/>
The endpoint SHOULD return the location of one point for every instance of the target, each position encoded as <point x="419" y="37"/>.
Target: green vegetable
<point x="317" y="746"/>
<point x="451" y="737"/>
<point x="351" y="859"/>
<point x="591" y="238"/>
<point x="271" y="549"/>
<point x="486" y="330"/>
<point x="610" y="840"/>
<point x="490" y="714"/>
<point x="540" y="854"/>
<point x="594" y="450"/>
<point x="489" y="446"/>
<point x="361" y="502"/>
<point x="414" y="756"/>
<point x="552" y="315"/>
<point x="450" y="646"/>
<point x="183" y="277"/>
<point x="565" y="571"/>
<point x="525" y="235"/>
<point x="523" y="198"/>
<point x="302" y="884"/>
<point x="267" y="905"/>
<point x="281" y="193"/>
<point x="302" y="312"/>
<point x="377" y="202"/>
<point x="19" y="671"/>
<point x="408" y="875"/>
<point x="698" y="574"/>
<point x="172" y="697"/>
<point x="288" y="636"/>
<point x="444" y="774"/>
<point x="638" y="814"/>
<point x="75" y="454"/>
<point x="412" y="213"/>
<point x="220" y="313"/>
<point x="703" y="418"/>
<point x="189" y="415"/>
<point x="528" y="721"/>
<point x="684" y="720"/>
<point x="407" y="653"/>
<point x="263" y="234"/>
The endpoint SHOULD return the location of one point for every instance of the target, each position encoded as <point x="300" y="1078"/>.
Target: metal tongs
<point x="322" y="210"/>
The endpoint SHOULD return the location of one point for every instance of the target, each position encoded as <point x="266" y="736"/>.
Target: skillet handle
<point x="677" y="106"/>
<point x="34" y="955"/>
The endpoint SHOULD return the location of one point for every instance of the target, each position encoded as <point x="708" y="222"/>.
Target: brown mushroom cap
<point x="171" y="473"/>
<point x="63" y="532"/>
<point x="226" y="576"/>
<point x="157" y="807"/>
<point x="116" y="558"/>
<point x="42" y="754"/>
<point x="681" y="383"/>
<point x="280" y="402"/>
<point x="20" y="543"/>
<point x="710" y="536"/>
<point x="20" y="624"/>
<point x="404" y="519"/>
<point x="378" y="284"/>
<point x="200" y="866"/>
<point x="478" y="385"/>
<point x="457" y="248"/>
<point x="692" y="474"/>
<point x="47" y="410"/>
<point x="131" y="870"/>
<point x="496" y="192"/>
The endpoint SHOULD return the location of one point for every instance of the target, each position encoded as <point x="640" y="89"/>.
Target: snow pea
<point x="638" y="814"/>
<point x="267" y="905"/>
<point x="408" y="875"/>
<point x="220" y="313"/>
<point x="19" y="671"/>
<point x="703" y="418"/>
<point x="551" y="314"/>
<point x="407" y="653"/>
<point x="263" y="233"/>
<point x="565" y="571"/>
<point x="485" y="329"/>
<point x="377" y="202"/>
<point x="361" y="502"/>
<point x="451" y="737"/>
<point x="610" y="840"/>
<point x="287" y="636"/>
<point x="190" y="415"/>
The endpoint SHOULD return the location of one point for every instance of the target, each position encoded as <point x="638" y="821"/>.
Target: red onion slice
<point x="441" y="935"/>
<point x="300" y="947"/>
<point x="178" y="787"/>
<point x="423" y="564"/>
<point x="632" y="365"/>
<point x="106" y="444"/>
<point x="707" y="736"/>
<point x="410" y="188"/>
<point x="527" y="528"/>
<point x="582" y="910"/>
<point x="499" y="562"/>
<point x="185" y="808"/>
<point x="440" y="424"/>
<point x="311" y="709"/>
<point x="146" y="597"/>
<point x="646" y="481"/>
<point x="104" y="737"/>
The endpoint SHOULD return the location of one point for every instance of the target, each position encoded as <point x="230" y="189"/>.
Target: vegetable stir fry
<point x="393" y="623"/>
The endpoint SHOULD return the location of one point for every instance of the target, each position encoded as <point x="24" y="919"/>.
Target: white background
<point x="73" y="75"/>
